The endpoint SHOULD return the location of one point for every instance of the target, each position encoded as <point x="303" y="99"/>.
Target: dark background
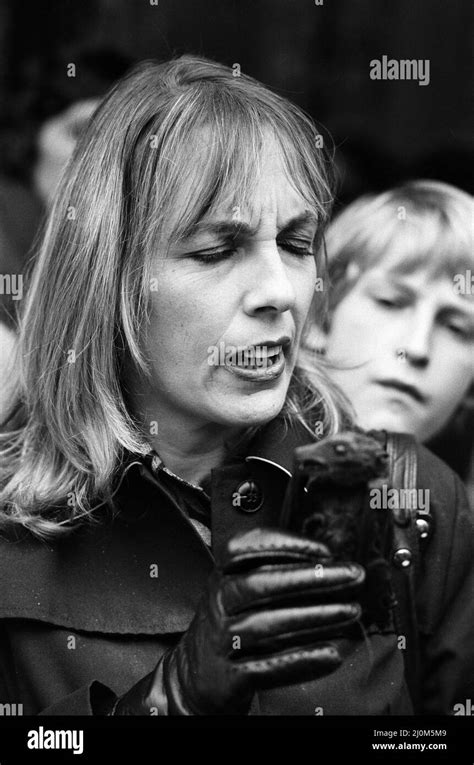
<point x="317" y="55"/>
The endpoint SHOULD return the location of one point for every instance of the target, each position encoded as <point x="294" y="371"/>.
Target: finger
<point x="270" y="546"/>
<point x="290" y="667"/>
<point x="290" y="585"/>
<point x="269" y="631"/>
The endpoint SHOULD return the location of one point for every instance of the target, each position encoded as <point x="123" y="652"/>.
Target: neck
<point x="190" y="455"/>
<point x="190" y="449"/>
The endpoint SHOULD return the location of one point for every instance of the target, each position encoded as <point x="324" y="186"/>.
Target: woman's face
<point x="229" y="309"/>
<point x="410" y="342"/>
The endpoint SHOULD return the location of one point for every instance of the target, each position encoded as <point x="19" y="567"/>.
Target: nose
<point x="418" y="338"/>
<point x="270" y="286"/>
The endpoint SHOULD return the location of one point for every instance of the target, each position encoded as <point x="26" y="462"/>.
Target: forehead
<point x="273" y="200"/>
<point x="254" y="182"/>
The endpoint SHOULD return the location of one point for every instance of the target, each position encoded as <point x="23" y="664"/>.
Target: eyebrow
<point x="239" y="228"/>
<point x="453" y="308"/>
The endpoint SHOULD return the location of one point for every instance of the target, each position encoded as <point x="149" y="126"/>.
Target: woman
<point x="160" y="399"/>
<point x="400" y="326"/>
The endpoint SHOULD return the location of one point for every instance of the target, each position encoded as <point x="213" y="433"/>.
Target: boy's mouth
<point x="410" y="390"/>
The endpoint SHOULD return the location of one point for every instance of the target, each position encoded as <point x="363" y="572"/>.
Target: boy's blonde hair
<point x="420" y="224"/>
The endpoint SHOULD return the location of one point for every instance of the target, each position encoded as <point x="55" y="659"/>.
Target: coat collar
<point x="141" y="570"/>
<point x="275" y="444"/>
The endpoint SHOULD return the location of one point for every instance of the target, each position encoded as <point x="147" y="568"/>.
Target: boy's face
<point x="406" y="344"/>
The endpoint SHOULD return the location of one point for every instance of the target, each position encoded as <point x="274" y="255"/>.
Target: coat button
<point x="248" y="497"/>
<point x="402" y="557"/>
<point x="423" y="528"/>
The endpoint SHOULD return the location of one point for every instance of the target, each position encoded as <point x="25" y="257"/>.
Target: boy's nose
<point x="416" y="345"/>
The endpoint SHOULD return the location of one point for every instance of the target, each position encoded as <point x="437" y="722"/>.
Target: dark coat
<point x="87" y="617"/>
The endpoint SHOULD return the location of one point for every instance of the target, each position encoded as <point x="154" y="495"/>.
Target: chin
<point x="254" y="410"/>
<point x="386" y="421"/>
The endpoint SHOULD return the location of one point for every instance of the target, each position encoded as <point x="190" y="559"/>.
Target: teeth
<point x="274" y="351"/>
<point x="253" y="357"/>
<point x="262" y="352"/>
<point x="259" y="356"/>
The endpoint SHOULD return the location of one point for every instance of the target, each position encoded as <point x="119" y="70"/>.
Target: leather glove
<point x="263" y="622"/>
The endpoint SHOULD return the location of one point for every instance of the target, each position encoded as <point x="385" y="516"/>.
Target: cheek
<point x="172" y="315"/>
<point x="352" y="332"/>
<point x="186" y="319"/>
<point x="452" y="383"/>
<point x="304" y="286"/>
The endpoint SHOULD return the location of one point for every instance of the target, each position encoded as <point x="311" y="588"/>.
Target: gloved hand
<point x="262" y="622"/>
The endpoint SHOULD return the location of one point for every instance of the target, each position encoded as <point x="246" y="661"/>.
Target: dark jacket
<point x="86" y="617"/>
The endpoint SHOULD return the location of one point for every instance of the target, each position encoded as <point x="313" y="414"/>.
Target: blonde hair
<point x="420" y="224"/>
<point x="132" y="187"/>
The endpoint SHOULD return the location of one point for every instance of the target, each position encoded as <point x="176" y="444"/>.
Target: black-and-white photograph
<point x="237" y="374"/>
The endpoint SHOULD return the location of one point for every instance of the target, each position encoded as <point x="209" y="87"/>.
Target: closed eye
<point x="464" y="333"/>
<point x="389" y="302"/>
<point x="295" y="248"/>
<point x="207" y="257"/>
<point x="457" y="323"/>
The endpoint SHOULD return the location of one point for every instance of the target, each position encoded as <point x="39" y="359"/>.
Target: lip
<point x="262" y="374"/>
<point x="409" y="390"/>
<point x="284" y="341"/>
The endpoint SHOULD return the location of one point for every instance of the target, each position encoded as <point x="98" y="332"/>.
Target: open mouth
<point x="258" y="357"/>
<point x="262" y="361"/>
